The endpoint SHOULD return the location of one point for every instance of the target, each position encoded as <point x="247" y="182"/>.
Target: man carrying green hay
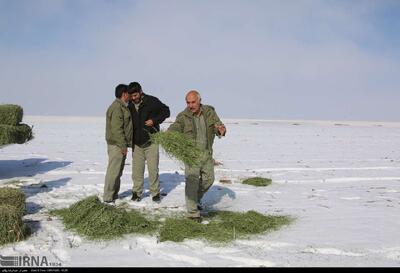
<point x="119" y="133"/>
<point x="201" y="123"/>
<point x="148" y="112"/>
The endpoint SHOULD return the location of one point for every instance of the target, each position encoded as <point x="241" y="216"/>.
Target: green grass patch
<point x="13" y="197"/>
<point x="10" y="114"/>
<point x="222" y="227"/>
<point x="257" y="181"/>
<point x="179" y="146"/>
<point x="15" y="134"/>
<point x="95" y="220"/>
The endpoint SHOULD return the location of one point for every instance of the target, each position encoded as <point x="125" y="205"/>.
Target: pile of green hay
<point x="12" y="208"/>
<point x="96" y="220"/>
<point x="11" y="130"/>
<point x="223" y="226"/>
<point x="179" y="146"/>
<point x="257" y="181"/>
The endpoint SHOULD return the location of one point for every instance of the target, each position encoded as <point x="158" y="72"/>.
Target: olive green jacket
<point x="184" y="123"/>
<point x="119" y="127"/>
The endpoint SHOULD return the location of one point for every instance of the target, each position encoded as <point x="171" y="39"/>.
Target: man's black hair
<point x="134" y="87"/>
<point x="120" y="89"/>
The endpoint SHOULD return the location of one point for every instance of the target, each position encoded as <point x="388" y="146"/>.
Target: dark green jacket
<point x="119" y="127"/>
<point x="184" y="123"/>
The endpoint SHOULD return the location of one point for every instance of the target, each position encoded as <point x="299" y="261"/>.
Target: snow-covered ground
<point x="340" y="180"/>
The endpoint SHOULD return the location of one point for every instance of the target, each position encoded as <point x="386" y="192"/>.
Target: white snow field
<point x="340" y="180"/>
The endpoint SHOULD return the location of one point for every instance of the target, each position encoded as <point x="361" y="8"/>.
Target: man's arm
<point x="178" y="125"/>
<point x="219" y="127"/>
<point x="117" y="129"/>
<point x="162" y="113"/>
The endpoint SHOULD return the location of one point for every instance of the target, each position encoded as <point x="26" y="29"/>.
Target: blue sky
<point x="293" y="59"/>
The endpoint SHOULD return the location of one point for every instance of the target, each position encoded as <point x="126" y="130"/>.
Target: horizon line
<point x="239" y="119"/>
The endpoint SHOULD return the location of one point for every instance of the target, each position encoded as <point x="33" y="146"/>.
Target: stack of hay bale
<point x="11" y="129"/>
<point x="12" y="208"/>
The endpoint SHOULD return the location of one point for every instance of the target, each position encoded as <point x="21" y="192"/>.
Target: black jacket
<point x="150" y="108"/>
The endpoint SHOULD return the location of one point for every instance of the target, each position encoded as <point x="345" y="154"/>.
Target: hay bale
<point x="257" y="181"/>
<point x="180" y="147"/>
<point x="11" y="114"/>
<point x="15" y="134"/>
<point x="13" y="197"/>
<point x="11" y="227"/>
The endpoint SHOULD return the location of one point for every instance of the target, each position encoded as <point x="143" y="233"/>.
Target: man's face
<point x="125" y="97"/>
<point x="135" y="97"/>
<point x="193" y="103"/>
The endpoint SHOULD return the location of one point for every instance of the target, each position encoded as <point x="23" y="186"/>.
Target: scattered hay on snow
<point x="222" y="227"/>
<point x="257" y="181"/>
<point x="97" y="221"/>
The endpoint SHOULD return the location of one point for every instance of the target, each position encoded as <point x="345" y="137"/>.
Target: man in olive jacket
<point x="201" y="123"/>
<point x="119" y="133"/>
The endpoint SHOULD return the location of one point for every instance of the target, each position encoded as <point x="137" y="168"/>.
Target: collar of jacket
<point x="143" y="100"/>
<point x="188" y="113"/>
<point x="122" y="102"/>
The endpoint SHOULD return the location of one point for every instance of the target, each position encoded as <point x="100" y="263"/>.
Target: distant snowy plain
<point x="339" y="179"/>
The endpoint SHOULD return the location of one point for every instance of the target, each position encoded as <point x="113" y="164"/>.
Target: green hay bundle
<point x="179" y="146"/>
<point x="257" y="181"/>
<point x="15" y="134"/>
<point x="13" y="197"/>
<point x="10" y="114"/>
<point x="95" y="220"/>
<point x="223" y="226"/>
<point x="11" y="227"/>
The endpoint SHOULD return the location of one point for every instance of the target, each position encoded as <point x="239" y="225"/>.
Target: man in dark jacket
<point x="148" y="113"/>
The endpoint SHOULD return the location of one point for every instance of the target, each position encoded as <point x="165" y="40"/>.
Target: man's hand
<point x="221" y="129"/>
<point x="124" y="151"/>
<point x="149" y="123"/>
